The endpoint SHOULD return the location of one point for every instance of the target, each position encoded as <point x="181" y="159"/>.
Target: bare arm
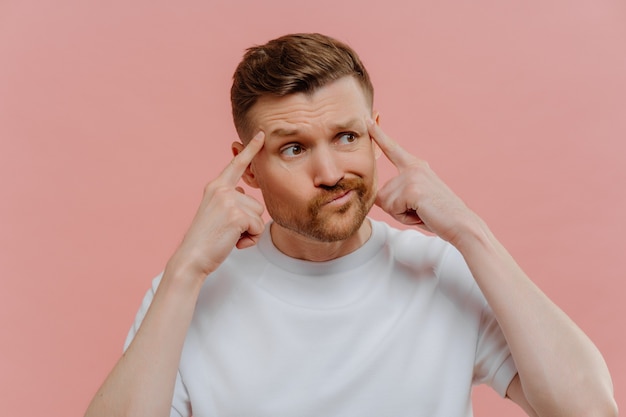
<point x="561" y="372"/>
<point x="142" y="382"/>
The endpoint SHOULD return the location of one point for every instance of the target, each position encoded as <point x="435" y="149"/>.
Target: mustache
<point x="328" y="193"/>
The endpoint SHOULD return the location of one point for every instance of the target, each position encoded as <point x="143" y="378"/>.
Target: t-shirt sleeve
<point x="493" y="363"/>
<point x="180" y="402"/>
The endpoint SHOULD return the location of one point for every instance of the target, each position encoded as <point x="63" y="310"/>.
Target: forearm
<point x="561" y="370"/>
<point x="142" y="382"/>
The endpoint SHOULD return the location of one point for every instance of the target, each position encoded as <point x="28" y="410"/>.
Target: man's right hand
<point x="143" y="380"/>
<point x="226" y="218"/>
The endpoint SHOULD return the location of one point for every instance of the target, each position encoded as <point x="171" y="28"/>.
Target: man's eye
<point x="346" y="138"/>
<point x="292" y="150"/>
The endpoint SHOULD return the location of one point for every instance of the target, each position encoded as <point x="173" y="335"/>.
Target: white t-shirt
<point x="396" y="328"/>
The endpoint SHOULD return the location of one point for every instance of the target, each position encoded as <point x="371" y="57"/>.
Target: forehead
<point x="337" y="103"/>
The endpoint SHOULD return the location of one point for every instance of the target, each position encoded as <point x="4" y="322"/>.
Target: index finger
<point x="237" y="166"/>
<point x="392" y="150"/>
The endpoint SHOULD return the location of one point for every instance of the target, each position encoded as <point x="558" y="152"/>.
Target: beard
<point x="327" y="224"/>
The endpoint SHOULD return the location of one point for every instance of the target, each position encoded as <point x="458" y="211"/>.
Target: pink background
<point x="113" y="116"/>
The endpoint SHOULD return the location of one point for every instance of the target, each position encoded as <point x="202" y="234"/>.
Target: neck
<point x="302" y="247"/>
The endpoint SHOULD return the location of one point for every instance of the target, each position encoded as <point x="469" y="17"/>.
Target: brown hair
<point x="296" y="63"/>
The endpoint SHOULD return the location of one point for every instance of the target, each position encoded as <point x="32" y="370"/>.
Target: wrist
<point x="471" y="235"/>
<point x="183" y="274"/>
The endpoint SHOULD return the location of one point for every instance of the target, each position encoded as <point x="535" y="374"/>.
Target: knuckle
<point x="229" y="203"/>
<point x="209" y="189"/>
<point x="212" y="189"/>
<point x="236" y="216"/>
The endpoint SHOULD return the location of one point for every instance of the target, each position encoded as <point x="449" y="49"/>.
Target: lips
<point x="338" y="196"/>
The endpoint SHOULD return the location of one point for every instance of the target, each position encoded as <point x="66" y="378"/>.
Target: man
<point x="325" y="312"/>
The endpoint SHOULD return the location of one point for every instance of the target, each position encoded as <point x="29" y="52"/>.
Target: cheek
<point x="281" y="184"/>
<point x="366" y="162"/>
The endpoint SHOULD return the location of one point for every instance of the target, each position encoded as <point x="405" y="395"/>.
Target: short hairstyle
<point x="295" y="63"/>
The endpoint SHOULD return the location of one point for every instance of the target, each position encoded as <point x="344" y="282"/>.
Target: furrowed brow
<point x="352" y="124"/>
<point x="284" y="132"/>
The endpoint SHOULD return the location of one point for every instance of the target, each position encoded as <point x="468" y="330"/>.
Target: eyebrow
<point x="284" y="132"/>
<point x="349" y="124"/>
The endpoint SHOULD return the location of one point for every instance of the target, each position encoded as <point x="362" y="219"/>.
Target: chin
<point x="333" y="229"/>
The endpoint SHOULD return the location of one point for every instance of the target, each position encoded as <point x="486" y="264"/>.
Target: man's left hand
<point x="417" y="196"/>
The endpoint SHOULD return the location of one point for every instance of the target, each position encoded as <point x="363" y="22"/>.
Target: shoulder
<point x="412" y="247"/>
<point x="424" y="254"/>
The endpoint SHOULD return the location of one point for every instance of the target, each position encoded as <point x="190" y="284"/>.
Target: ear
<point x="248" y="175"/>
<point x="377" y="151"/>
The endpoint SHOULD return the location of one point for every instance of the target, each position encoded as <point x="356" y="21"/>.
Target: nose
<point x="327" y="170"/>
